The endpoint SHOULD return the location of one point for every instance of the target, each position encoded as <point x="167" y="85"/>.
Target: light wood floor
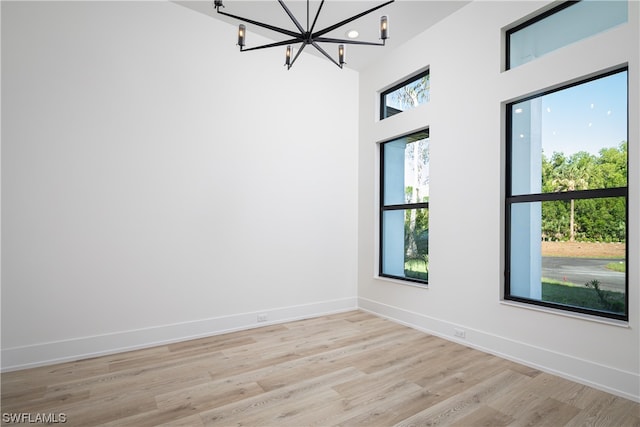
<point x="350" y="369"/>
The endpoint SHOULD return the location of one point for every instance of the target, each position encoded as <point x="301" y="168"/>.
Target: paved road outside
<point x="582" y="270"/>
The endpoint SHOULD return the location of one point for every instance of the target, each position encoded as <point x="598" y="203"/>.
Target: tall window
<point x="404" y="208"/>
<point x="566" y="204"/>
<point x="405" y="96"/>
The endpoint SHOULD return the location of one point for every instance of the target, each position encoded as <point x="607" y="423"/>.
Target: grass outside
<point x="416" y="269"/>
<point x="619" y="266"/>
<point x="577" y="295"/>
<point x="559" y="292"/>
<point x="581" y="296"/>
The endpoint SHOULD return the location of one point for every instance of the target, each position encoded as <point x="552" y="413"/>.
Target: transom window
<point x="405" y="96"/>
<point x="564" y="24"/>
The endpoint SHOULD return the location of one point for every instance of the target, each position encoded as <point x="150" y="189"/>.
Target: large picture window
<point x="566" y="198"/>
<point x="404" y="208"/>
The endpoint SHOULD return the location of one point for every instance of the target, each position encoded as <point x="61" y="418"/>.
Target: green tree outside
<point x="603" y="219"/>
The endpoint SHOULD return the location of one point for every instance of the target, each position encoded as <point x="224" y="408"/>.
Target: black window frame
<point x="395" y="207"/>
<point x="409" y="80"/>
<point x="511" y="199"/>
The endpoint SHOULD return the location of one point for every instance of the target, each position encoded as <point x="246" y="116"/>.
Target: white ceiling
<point x="407" y="18"/>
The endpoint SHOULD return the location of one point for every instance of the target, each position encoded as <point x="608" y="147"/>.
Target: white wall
<point x="157" y="184"/>
<point x="466" y="121"/>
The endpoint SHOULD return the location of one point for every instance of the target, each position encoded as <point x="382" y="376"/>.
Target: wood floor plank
<point x="397" y="408"/>
<point x="105" y="409"/>
<point x="347" y="369"/>
<point x="484" y="416"/>
<point x="49" y="403"/>
<point x="549" y="413"/>
<point x="299" y="411"/>
<point x="276" y="402"/>
<point x="209" y="395"/>
<point x="469" y="400"/>
<point x="519" y="402"/>
<point x="157" y="375"/>
<point x="190" y="421"/>
<point x="608" y="411"/>
<point x="183" y="415"/>
<point x="355" y="405"/>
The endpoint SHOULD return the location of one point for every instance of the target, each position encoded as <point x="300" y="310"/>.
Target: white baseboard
<point x="605" y="378"/>
<point x="49" y="353"/>
<point x="611" y="380"/>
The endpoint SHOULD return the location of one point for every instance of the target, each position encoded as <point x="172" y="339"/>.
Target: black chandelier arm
<point x="353" y="18"/>
<point x="321" y="50"/>
<point x="276" y="44"/>
<point x="347" y="41"/>
<point x="261" y="24"/>
<point x="302" y="46"/>
<point x="308" y="36"/>
<point x="317" y="14"/>
<point x="293" y="18"/>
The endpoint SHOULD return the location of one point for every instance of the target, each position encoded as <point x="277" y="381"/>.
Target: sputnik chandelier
<point x="308" y="36"/>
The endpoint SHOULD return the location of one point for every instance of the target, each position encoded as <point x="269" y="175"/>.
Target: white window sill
<point x="558" y="312"/>
<point x="402" y="282"/>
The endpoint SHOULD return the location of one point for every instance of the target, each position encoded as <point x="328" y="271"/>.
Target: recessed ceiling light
<point x="352" y="34"/>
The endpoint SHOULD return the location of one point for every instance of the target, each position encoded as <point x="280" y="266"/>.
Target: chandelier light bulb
<point x="384" y="27"/>
<point x="241" y="35"/>
<point x="287" y="61"/>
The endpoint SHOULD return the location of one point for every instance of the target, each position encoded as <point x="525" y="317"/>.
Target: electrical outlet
<point x="262" y="317"/>
<point x="460" y="333"/>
